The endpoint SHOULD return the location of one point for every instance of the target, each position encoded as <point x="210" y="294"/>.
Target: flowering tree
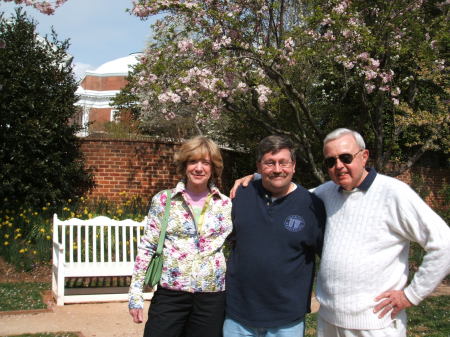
<point x="44" y="7"/>
<point x="302" y="68"/>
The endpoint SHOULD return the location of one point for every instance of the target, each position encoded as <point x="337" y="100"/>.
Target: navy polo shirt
<point x="270" y="271"/>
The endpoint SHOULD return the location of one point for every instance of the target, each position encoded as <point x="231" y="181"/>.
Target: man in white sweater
<point x="371" y="219"/>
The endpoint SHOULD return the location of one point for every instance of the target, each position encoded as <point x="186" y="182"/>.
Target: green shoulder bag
<point x="153" y="274"/>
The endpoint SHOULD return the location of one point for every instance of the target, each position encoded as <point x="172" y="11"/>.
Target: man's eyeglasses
<point x="271" y="164"/>
<point x="345" y="158"/>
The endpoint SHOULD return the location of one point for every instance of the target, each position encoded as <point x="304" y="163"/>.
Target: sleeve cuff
<point x="411" y="296"/>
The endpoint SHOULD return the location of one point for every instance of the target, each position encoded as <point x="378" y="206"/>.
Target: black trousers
<point x="182" y="314"/>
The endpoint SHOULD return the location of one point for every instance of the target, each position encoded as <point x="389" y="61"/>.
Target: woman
<point x="189" y="300"/>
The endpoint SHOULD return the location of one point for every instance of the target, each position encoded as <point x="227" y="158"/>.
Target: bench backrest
<point x="100" y="239"/>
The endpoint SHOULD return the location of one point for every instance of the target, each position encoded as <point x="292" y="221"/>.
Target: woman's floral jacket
<point x="193" y="261"/>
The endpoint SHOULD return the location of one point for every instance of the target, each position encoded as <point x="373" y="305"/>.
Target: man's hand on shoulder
<point x="242" y="181"/>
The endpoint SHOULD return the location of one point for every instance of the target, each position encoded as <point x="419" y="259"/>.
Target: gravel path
<point x="92" y="320"/>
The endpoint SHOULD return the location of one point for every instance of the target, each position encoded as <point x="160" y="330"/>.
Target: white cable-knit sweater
<point x="366" y="250"/>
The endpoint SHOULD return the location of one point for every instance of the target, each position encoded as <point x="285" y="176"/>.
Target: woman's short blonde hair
<point x="197" y="148"/>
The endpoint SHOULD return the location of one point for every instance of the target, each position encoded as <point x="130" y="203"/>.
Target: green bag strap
<point x="162" y="235"/>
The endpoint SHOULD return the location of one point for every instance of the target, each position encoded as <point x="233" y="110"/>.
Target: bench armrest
<point x="58" y="254"/>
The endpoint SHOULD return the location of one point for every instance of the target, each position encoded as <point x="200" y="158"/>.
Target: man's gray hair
<point x="274" y="144"/>
<point x="338" y="133"/>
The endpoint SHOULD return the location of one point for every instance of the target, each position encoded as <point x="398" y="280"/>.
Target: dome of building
<point x="96" y="91"/>
<point x="117" y="67"/>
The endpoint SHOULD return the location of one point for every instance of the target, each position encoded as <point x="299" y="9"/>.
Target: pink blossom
<point x="440" y="64"/>
<point x="215" y="113"/>
<point x="190" y="92"/>
<point x="329" y="35"/>
<point x="395" y="91"/>
<point x="395" y="101"/>
<point x="140" y="11"/>
<point x="346" y="33"/>
<point x="353" y="22"/>
<point x="152" y="78"/>
<point x="262" y="91"/>
<point x="364" y="56"/>
<point x="169" y="96"/>
<point x="242" y="86"/>
<point x="289" y="43"/>
<point x="185" y="45"/>
<point x="374" y="63"/>
<point x="44" y="7"/>
<point x="327" y="21"/>
<point x="340" y="8"/>
<point x="348" y="64"/>
<point x="370" y="74"/>
<point x="387" y="76"/>
<point x="369" y="87"/>
<point x="169" y="115"/>
<point x="223" y="42"/>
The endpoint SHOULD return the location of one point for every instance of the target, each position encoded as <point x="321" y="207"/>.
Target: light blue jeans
<point x="231" y="328"/>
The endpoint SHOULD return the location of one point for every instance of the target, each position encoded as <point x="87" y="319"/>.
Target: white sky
<point x="99" y="30"/>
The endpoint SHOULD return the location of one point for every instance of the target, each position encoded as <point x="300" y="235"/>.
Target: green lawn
<point x="431" y="318"/>
<point x="22" y="296"/>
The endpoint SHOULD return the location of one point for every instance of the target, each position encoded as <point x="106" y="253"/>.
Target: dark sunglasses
<point x="345" y="158"/>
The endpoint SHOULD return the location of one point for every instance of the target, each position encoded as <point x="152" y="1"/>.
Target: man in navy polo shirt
<point x="278" y="230"/>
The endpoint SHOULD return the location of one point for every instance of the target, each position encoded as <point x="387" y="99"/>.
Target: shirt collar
<point x="181" y="187"/>
<point x="367" y="182"/>
<point x="268" y="195"/>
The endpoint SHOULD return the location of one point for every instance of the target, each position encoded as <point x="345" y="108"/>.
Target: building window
<point x="115" y="116"/>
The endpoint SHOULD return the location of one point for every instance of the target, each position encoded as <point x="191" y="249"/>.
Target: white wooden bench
<point x="98" y="247"/>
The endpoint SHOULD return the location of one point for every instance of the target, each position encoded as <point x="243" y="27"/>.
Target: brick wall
<point x="139" y="167"/>
<point x="428" y="182"/>
<point x="101" y="83"/>
<point x="144" y="167"/>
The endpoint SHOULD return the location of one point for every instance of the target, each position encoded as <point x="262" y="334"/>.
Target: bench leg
<point x="60" y="287"/>
<point x="54" y="281"/>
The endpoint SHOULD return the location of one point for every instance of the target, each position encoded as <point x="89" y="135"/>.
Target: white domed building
<point x="97" y="89"/>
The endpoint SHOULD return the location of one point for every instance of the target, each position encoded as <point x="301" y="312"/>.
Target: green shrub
<point x="39" y="151"/>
